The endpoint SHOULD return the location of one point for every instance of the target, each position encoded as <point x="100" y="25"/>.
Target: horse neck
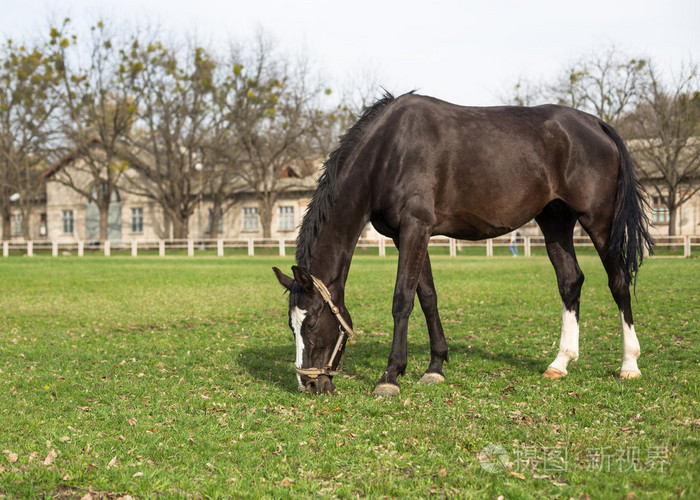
<point x="336" y="240"/>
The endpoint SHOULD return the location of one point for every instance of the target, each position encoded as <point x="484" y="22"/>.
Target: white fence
<point x="678" y="246"/>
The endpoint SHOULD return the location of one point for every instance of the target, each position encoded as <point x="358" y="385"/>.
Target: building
<point x="72" y="217"/>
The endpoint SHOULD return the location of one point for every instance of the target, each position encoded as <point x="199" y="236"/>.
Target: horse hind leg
<point x="621" y="293"/>
<point x="557" y="225"/>
<point x="619" y="287"/>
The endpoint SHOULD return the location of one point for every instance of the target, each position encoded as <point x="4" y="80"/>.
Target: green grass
<point x="173" y="378"/>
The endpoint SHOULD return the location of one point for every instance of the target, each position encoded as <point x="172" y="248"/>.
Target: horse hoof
<point x="630" y="374"/>
<point x="386" y="390"/>
<point x="553" y="373"/>
<point x="431" y="378"/>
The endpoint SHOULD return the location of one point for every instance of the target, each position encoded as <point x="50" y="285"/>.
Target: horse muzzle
<point x="321" y="384"/>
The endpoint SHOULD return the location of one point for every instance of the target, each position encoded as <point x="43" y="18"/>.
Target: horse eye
<point x="311" y="325"/>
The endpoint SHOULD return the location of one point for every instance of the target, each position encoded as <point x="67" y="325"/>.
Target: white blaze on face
<point x="297" y="318"/>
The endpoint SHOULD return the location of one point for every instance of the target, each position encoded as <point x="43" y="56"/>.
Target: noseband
<point x="345" y="332"/>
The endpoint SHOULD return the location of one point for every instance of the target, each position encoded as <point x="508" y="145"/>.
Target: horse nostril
<point x="312" y="386"/>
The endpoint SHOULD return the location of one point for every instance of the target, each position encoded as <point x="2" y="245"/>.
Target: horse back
<point x="475" y="172"/>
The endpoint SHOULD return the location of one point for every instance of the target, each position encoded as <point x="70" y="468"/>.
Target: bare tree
<point x="99" y="102"/>
<point x="28" y="107"/>
<point x="608" y="85"/>
<point x="174" y="123"/>
<point x="358" y="92"/>
<point x="666" y="131"/>
<point x="272" y="114"/>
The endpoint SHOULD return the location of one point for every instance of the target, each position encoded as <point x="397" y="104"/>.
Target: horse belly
<point x="476" y="212"/>
<point x="474" y="227"/>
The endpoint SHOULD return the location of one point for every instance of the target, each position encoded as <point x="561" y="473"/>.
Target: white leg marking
<point x="297" y="316"/>
<point x="630" y="351"/>
<point x="568" y="344"/>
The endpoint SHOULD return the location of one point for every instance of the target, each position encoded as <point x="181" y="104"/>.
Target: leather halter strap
<point x="345" y="331"/>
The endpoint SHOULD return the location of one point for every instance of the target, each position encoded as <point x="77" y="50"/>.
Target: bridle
<point x="344" y="329"/>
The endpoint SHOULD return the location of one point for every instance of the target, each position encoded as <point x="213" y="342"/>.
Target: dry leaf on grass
<point x="50" y="457"/>
<point x="112" y="462"/>
<point x="12" y="458"/>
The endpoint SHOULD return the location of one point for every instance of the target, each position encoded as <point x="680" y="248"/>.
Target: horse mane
<point x="325" y="194"/>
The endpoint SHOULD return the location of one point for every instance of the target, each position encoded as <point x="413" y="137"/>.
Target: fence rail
<point x="676" y="246"/>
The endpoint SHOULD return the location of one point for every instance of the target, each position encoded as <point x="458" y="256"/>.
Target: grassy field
<point x="173" y="377"/>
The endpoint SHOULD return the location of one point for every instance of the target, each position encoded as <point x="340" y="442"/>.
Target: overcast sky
<point x="468" y="52"/>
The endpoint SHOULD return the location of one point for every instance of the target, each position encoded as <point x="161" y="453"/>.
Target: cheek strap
<point x="344" y="333"/>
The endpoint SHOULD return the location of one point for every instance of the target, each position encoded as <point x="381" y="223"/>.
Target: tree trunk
<point x="215" y="217"/>
<point x="6" y="225"/>
<point x="26" y="226"/>
<point x="672" y="217"/>
<point x="265" y="209"/>
<point x="104" y="223"/>
<point x="180" y="229"/>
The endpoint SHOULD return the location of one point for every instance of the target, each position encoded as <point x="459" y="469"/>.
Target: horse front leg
<point x="438" y="347"/>
<point x="413" y="249"/>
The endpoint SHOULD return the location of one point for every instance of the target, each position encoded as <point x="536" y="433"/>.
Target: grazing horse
<point x="416" y="167"/>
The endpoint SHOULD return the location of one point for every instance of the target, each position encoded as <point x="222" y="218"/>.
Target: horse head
<point x="319" y="330"/>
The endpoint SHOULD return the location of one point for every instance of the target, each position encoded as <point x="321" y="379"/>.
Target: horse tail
<point x="629" y="237"/>
<point x="325" y="194"/>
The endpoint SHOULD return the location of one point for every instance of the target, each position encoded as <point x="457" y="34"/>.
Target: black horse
<point x="416" y="167"/>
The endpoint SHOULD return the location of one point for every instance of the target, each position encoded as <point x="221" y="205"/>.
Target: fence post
<point x="81" y="248"/>
<point x="453" y="247"/>
<point x="251" y="247"/>
<point x="190" y="248"/>
<point x="108" y="248"/>
<point x="5" y="248"/>
<point x="686" y="246"/>
<point x="161" y="248"/>
<point x="382" y="246"/>
<point x="489" y="248"/>
<point x="220" y="247"/>
<point x="54" y="249"/>
<point x="282" y="249"/>
<point x="30" y="249"/>
<point x="134" y="248"/>
<point x="527" y="246"/>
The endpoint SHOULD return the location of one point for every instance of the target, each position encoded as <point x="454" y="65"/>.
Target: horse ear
<point x="284" y="280"/>
<point x="303" y="278"/>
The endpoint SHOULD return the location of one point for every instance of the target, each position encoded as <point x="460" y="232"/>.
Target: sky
<point x="467" y="52"/>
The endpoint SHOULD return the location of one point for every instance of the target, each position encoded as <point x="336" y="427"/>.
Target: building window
<point x="286" y="219"/>
<point x="137" y="220"/>
<point x="42" y="227"/>
<point x="17" y="225"/>
<point x="68" y="222"/>
<point x="220" y="225"/>
<point x="659" y="209"/>
<point x="250" y="219"/>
